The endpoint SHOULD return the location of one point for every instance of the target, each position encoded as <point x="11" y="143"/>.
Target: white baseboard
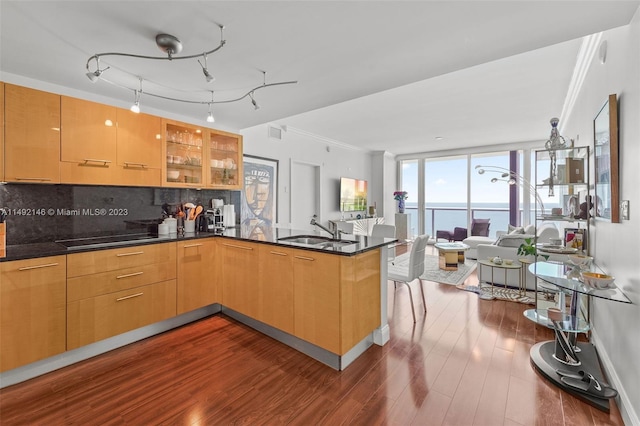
<point x="627" y="410"/>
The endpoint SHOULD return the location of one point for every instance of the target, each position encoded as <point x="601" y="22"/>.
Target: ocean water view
<point x="446" y="216"/>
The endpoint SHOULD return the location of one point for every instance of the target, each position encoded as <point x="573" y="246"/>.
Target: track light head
<point x="208" y="76"/>
<point x="205" y="69"/>
<point x="94" y="76"/>
<point x="210" y="118"/>
<point x="136" y="107"/>
<point x="253" y="102"/>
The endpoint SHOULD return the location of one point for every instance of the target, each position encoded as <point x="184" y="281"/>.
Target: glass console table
<point x="565" y="353"/>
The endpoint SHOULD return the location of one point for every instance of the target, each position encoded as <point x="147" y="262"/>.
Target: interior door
<point x="305" y="194"/>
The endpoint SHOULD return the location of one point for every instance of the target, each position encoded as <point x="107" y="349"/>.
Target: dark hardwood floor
<point x="465" y="363"/>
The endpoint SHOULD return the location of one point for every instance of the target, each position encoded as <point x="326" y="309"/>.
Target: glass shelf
<point x="565" y="277"/>
<point x="568" y="323"/>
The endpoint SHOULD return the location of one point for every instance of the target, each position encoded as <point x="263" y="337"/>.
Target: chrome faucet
<point x="335" y="234"/>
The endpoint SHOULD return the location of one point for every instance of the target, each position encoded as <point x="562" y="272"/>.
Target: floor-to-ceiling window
<point x="409" y="182"/>
<point x="445" y="193"/>
<point x="448" y="192"/>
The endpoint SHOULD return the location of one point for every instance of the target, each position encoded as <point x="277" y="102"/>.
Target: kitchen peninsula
<point x="325" y="300"/>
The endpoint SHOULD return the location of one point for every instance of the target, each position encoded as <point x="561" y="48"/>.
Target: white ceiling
<point x="380" y="75"/>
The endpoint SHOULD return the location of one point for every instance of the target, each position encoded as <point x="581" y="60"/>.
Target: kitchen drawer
<point x="94" y="262"/>
<point x="97" y="318"/>
<point x="122" y="279"/>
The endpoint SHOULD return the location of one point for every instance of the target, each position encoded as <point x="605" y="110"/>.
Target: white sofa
<point x="506" y="247"/>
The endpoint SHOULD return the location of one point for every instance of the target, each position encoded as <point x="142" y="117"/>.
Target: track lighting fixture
<point x="172" y="46"/>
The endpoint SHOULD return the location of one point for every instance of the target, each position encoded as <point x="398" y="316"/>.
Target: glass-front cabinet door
<point x="185" y="155"/>
<point x="225" y="160"/>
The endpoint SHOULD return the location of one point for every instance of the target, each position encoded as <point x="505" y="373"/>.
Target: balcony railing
<point x="447" y="218"/>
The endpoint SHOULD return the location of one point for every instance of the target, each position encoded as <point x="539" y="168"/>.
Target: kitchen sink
<point x="315" y="240"/>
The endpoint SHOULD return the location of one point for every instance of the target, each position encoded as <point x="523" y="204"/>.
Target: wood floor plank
<point x="465" y="362"/>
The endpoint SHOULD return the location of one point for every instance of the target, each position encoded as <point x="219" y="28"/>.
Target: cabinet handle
<point x="105" y="163"/>
<point x="277" y="253"/>
<point x="47" y="265"/>
<point x="240" y="247"/>
<point x="141" y="165"/>
<point x="129" y="275"/>
<point x="193" y="245"/>
<point x="129" y="297"/>
<point x="34" y="179"/>
<point x="129" y="254"/>
<point x="305" y="258"/>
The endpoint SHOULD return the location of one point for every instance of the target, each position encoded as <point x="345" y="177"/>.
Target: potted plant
<point x="528" y="249"/>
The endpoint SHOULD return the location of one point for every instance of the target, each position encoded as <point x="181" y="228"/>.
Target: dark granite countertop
<point x="360" y="244"/>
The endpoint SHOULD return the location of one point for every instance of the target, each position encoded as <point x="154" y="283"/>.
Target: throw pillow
<point x="512" y="240"/>
<point x="515" y="230"/>
<point x="530" y="229"/>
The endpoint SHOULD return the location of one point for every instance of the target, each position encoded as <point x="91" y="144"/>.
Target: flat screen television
<point x="353" y="195"/>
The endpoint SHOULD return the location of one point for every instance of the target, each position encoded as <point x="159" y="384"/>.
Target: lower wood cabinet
<point x="97" y="318"/>
<point x="275" y="287"/>
<point x="316" y="278"/>
<point x="110" y="292"/>
<point x="239" y="265"/>
<point x="198" y="272"/>
<point x="32" y="310"/>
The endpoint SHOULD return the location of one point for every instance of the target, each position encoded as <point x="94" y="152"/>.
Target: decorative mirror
<point x="605" y="150"/>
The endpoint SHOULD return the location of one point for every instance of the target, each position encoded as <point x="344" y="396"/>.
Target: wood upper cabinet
<point x="32" y="307"/>
<point x="275" y="287"/>
<point x="88" y="142"/>
<point x="184" y="155"/>
<point x="239" y="260"/>
<point x="224" y="169"/>
<point x="32" y="135"/>
<point x="138" y="148"/>
<point x="316" y="278"/>
<point x="197" y="274"/>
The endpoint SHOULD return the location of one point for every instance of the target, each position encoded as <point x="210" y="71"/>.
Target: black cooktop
<point x="104" y="241"/>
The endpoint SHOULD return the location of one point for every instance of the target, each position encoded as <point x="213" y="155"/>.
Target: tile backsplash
<point x="45" y="213"/>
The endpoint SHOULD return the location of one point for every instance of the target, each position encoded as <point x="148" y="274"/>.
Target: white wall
<point x="335" y="161"/>
<point x="615" y="246"/>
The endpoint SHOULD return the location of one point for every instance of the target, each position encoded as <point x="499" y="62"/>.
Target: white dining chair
<point x="380" y="230"/>
<point x="408" y="273"/>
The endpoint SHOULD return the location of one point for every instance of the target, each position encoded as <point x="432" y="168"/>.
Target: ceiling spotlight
<point x="136" y="105"/>
<point x="210" y="118"/>
<point x="253" y="102"/>
<point x="94" y="76"/>
<point x="205" y="69"/>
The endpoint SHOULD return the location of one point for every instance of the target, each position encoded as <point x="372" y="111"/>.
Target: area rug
<point x="433" y="273"/>
<point x="484" y="292"/>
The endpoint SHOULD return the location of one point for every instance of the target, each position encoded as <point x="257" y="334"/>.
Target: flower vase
<point x="401" y="206"/>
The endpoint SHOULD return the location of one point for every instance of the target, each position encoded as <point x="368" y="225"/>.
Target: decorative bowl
<point x="173" y="174"/>
<point x="580" y="259"/>
<point x="596" y="280"/>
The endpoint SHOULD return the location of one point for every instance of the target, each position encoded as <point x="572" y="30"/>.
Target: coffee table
<point x="450" y="254"/>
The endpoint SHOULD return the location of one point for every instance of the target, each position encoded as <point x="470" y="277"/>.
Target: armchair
<point x="479" y="227"/>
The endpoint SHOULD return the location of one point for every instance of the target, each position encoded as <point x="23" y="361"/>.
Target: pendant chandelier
<point x="172" y="46"/>
<point x="555" y="142"/>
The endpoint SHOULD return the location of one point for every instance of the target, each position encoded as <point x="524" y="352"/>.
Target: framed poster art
<point x="605" y="153"/>
<point x="259" y="203"/>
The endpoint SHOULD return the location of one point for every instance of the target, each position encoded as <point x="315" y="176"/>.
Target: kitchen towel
<point x="229" y="216"/>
